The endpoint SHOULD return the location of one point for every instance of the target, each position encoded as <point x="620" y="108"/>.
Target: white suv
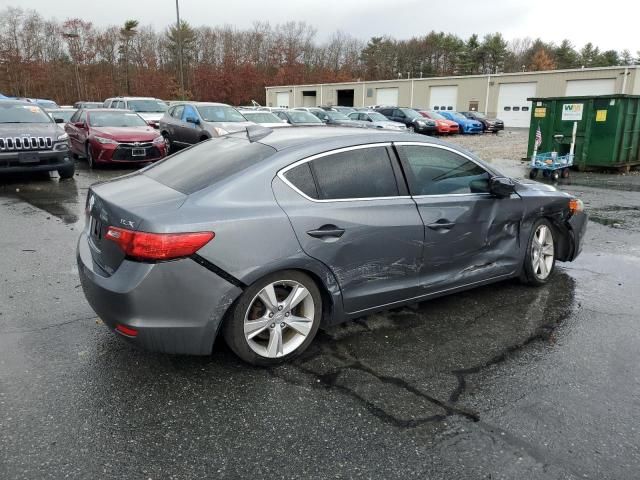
<point x="149" y="108"/>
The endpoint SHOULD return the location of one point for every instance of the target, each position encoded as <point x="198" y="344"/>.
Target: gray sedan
<point x="267" y="235"/>
<point x="377" y="120"/>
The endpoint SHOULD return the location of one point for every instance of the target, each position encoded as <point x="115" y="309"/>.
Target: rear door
<point x="350" y="210"/>
<point x="174" y="125"/>
<point x="470" y="235"/>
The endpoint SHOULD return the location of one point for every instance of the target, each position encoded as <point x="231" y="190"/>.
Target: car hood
<point x="153" y="116"/>
<point x="230" y="127"/>
<point x="536" y="186"/>
<point x="32" y="129"/>
<point x="140" y="134"/>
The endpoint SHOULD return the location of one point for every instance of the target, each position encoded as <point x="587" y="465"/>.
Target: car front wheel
<point x="275" y="319"/>
<point x="540" y="259"/>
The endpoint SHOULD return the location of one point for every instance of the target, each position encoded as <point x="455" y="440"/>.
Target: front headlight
<point x="63" y="137"/>
<point x="104" y="141"/>
<point x="158" y="140"/>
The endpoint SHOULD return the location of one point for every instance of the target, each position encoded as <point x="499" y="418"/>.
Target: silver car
<point x="377" y="120"/>
<point x="187" y="123"/>
<point x="266" y="119"/>
<point x="267" y="235"/>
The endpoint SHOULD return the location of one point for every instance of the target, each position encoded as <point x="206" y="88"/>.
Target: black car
<point x="32" y="141"/>
<point x="299" y="118"/>
<point x="337" y="118"/>
<point x="488" y="124"/>
<point x="412" y="119"/>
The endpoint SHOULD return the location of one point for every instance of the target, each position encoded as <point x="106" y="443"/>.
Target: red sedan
<point x="114" y="136"/>
<point x="443" y="125"/>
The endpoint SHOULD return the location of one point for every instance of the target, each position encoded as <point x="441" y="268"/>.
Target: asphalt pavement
<point x="502" y="382"/>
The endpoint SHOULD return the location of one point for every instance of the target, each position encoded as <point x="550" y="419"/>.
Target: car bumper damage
<point x="150" y="305"/>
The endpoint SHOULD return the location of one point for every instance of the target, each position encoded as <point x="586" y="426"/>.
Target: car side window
<point x="358" y="173"/>
<point x="177" y="112"/>
<point x="189" y="112"/>
<point x="74" y="117"/>
<point x="83" y="116"/>
<point x="438" y="171"/>
<point x="302" y="178"/>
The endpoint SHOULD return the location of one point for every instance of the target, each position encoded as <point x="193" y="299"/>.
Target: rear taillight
<point x="158" y="246"/>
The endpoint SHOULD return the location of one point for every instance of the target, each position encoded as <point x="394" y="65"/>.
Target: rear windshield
<point x="147" y="106"/>
<point x="220" y="114"/>
<point x="303" y="117"/>
<point x="262" y="117"/>
<point x="207" y="163"/>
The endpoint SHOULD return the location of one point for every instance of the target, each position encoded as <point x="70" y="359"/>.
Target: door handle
<point x="326" y="231"/>
<point x="441" y="225"/>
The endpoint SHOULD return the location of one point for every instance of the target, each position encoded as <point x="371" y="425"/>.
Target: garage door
<point x="443" y="98"/>
<point x="282" y="99"/>
<point x="513" y="107"/>
<point x="387" y="96"/>
<point x="596" y="86"/>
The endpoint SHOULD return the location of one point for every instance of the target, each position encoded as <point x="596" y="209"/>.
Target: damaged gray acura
<point x="267" y="235"/>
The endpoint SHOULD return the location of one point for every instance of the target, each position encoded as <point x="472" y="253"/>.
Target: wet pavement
<point x="502" y="382"/>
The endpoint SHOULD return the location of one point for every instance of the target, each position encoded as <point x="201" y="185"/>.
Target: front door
<point x="191" y="132"/>
<point x="470" y="235"/>
<point x="349" y="212"/>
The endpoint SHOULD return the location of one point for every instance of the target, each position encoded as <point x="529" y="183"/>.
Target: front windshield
<point x="220" y="113"/>
<point x="17" y="113"/>
<point x="147" y="106"/>
<point x="479" y="115"/>
<point x="411" y="114"/>
<point x="337" y="116"/>
<point x="262" y="117"/>
<point x="303" y="117"/>
<point x="65" y="115"/>
<point x="116" y="119"/>
<point x="458" y="115"/>
<point x="377" y="117"/>
<point x="437" y="116"/>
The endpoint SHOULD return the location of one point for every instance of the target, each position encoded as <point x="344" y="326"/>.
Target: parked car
<point x="443" y="125"/>
<point x="345" y="110"/>
<point x="488" y="124"/>
<point x="61" y="115"/>
<point x="32" y="141"/>
<point x="88" y="105"/>
<point x="113" y="136"/>
<point x="310" y="109"/>
<point x="377" y="120"/>
<point x="465" y="124"/>
<point x="410" y="118"/>
<point x="334" y="118"/>
<point x="299" y="118"/>
<point x="187" y="123"/>
<point x="44" y="103"/>
<point x="265" y="241"/>
<point x="149" y="108"/>
<point x="266" y="119"/>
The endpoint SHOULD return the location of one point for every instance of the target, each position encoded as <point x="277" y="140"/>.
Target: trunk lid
<point x="125" y="203"/>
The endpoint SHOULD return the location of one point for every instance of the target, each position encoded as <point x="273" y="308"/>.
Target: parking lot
<point x="501" y="382"/>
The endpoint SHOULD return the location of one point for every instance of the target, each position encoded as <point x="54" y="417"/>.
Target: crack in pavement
<point x="46" y="327"/>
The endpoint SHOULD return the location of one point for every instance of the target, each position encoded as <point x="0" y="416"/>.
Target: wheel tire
<point x="555" y="175"/>
<point x="67" y="172"/>
<point x="168" y="146"/>
<point x="533" y="173"/>
<point x="533" y="272"/>
<point x="89" y="156"/>
<point x="565" y="172"/>
<point x="249" y="304"/>
<point x="411" y="129"/>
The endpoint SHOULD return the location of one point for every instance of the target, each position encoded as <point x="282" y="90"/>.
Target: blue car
<point x="467" y="125"/>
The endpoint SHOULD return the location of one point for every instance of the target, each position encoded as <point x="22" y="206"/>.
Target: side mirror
<point x="194" y="120"/>
<point x="501" y="187"/>
<point x="58" y="120"/>
<point x="79" y="124"/>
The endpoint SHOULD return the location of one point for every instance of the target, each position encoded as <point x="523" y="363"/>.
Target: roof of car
<point x="281" y="139"/>
<point x="120" y="110"/>
<point x="204" y="104"/>
<point x="17" y="102"/>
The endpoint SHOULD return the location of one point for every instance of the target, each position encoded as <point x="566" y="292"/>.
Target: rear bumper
<point x="176" y="307"/>
<point x="577" y="227"/>
<point x="47" y="161"/>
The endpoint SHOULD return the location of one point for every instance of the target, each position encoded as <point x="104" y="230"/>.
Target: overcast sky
<point x="610" y="25"/>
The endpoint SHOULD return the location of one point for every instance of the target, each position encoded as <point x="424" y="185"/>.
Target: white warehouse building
<point x="501" y="95"/>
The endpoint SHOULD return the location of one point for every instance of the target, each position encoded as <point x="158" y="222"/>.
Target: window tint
<point x="360" y="173"/>
<point x="436" y="171"/>
<point x="207" y="163"/>
<point x="302" y="179"/>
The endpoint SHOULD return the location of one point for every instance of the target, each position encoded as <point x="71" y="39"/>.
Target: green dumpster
<point x="607" y="129"/>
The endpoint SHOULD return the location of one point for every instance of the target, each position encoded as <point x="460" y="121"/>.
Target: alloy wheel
<point x="542" y="252"/>
<point x="279" y="319"/>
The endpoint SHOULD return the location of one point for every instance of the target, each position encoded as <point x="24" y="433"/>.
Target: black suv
<point x="412" y="119"/>
<point x="31" y="141"/>
<point x="488" y="124"/>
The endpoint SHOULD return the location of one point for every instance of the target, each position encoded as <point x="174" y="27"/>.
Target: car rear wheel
<point x="275" y="319"/>
<point x="167" y="143"/>
<point x="540" y="260"/>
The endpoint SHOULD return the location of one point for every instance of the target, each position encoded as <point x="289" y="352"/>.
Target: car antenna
<point x="257" y="132"/>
